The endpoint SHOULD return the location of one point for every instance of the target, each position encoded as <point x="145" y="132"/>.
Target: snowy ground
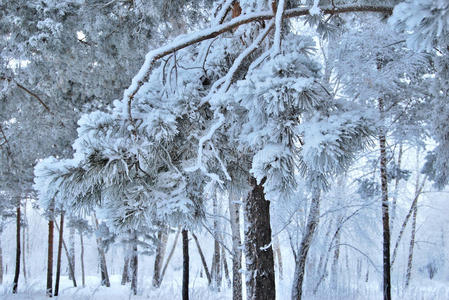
<point x="171" y="290"/>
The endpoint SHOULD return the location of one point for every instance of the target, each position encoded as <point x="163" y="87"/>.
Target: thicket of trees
<point x="302" y="116"/>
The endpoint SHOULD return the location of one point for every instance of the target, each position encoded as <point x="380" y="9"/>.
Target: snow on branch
<point x="214" y="31"/>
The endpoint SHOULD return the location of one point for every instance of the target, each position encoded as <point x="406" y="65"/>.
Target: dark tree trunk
<point x="50" y="257"/>
<point x="185" y="266"/>
<point x="301" y="259"/>
<point x="216" y="263"/>
<point x="24" y="244"/>
<point x="134" y="265"/>
<point x="103" y="268"/>
<point x="17" y="270"/>
<point x="83" y="278"/>
<point x="408" y="275"/>
<point x="170" y="255"/>
<point x="58" y="259"/>
<point x="385" y="211"/>
<point x="125" y="273"/>
<point x="260" y="274"/>
<point x="159" y="259"/>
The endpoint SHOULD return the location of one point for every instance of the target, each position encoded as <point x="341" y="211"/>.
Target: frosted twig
<point x="278" y="30"/>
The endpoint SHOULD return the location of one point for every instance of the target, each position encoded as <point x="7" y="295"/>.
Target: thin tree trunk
<point x="50" y="256"/>
<point x="412" y="245"/>
<point x="103" y="268"/>
<point x="1" y="255"/>
<point x="58" y="259"/>
<point x="24" y="228"/>
<point x="170" y="255"/>
<point x="203" y="259"/>
<point x="396" y="189"/>
<point x="385" y="210"/>
<point x="301" y="259"/>
<point x="67" y="256"/>
<point x="216" y="263"/>
<point x="134" y="264"/>
<point x="72" y="250"/>
<point x="185" y="266"/>
<point x="234" y="213"/>
<point x="17" y="270"/>
<point x="260" y="275"/>
<point x="225" y="266"/>
<point x="83" y="278"/>
<point x="159" y="259"/>
<point x="334" y="266"/>
<point x="125" y="273"/>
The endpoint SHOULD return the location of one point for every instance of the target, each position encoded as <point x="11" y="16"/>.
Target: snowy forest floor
<point x="171" y="290"/>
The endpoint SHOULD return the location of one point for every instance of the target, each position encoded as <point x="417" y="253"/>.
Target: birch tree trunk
<point x="83" y="278"/>
<point x="58" y="259"/>
<point x="72" y="250"/>
<point x="159" y="259"/>
<point x="17" y="270"/>
<point x="260" y="276"/>
<point x="234" y="213"/>
<point x="125" y="273"/>
<point x="301" y="259"/>
<point x="385" y="209"/>
<point x="408" y="275"/>
<point x="185" y="265"/>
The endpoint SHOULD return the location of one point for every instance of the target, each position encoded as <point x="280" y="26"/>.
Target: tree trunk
<point x="83" y="278"/>
<point x="225" y="266"/>
<point x="1" y="256"/>
<point x="170" y="255"/>
<point x="125" y="273"/>
<point x="216" y="262"/>
<point x="103" y="268"/>
<point x="203" y="260"/>
<point x="260" y="276"/>
<point x="301" y="259"/>
<point x="159" y="259"/>
<point x="234" y="213"/>
<point x="17" y="270"/>
<point x="58" y="259"/>
<point x="412" y="245"/>
<point x="396" y="189"/>
<point x="24" y="229"/>
<point x="72" y="250"/>
<point x="67" y="256"/>
<point x="50" y="256"/>
<point x="134" y="264"/>
<point x="185" y="266"/>
<point x="385" y="211"/>
<point x="277" y="251"/>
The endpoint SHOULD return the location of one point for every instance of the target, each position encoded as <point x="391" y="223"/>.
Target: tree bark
<point x="159" y="259"/>
<point x="17" y="270"/>
<point x="134" y="264"/>
<point x="396" y="189"/>
<point x="301" y="259"/>
<point x="67" y="256"/>
<point x="24" y="229"/>
<point x="103" y="268"/>
<point x="216" y="263"/>
<point x="225" y="266"/>
<point x="260" y="276"/>
<point x="125" y="273"/>
<point x="185" y="266"/>
<point x="411" y="248"/>
<point x="234" y="214"/>
<point x="385" y="210"/>
<point x="58" y="259"/>
<point x="72" y="250"/>
<point x="83" y="278"/>
<point x="50" y="256"/>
